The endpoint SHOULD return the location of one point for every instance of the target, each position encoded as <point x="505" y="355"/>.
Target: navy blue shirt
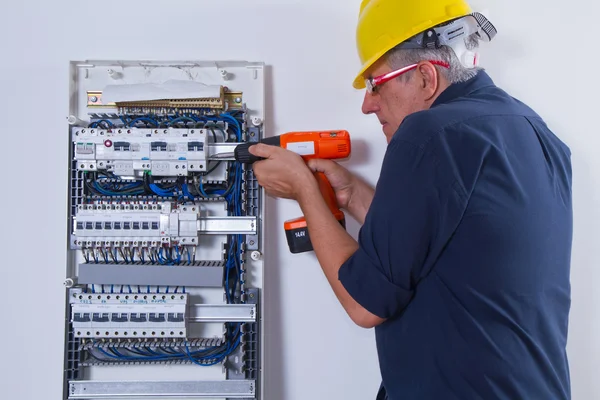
<point x="466" y="252"/>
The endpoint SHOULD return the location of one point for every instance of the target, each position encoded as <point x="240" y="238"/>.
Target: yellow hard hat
<point x="383" y="24"/>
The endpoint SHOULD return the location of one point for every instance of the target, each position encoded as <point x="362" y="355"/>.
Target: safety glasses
<point x="372" y="83"/>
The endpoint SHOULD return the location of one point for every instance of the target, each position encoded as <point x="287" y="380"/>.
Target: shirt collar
<point x="456" y="90"/>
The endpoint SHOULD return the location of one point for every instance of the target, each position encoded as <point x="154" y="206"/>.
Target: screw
<point x="238" y="99"/>
<point x="93" y="99"/>
<point x="251" y="243"/>
<point x="251" y="295"/>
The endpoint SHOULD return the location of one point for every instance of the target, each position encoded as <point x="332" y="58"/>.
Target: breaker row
<point x="133" y="315"/>
<point x="161" y="152"/>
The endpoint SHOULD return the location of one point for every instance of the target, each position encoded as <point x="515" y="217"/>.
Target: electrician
<point x="463" y="259"/>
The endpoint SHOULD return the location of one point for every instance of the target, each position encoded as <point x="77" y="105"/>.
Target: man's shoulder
<point x="479" y="109"/>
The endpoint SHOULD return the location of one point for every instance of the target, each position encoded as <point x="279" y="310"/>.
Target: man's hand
<point x="283" y="173"/>
<point x="352" y="193"/>
<point x="342" y="181"/>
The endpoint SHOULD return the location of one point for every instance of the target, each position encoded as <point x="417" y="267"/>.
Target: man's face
<point x="394" y="100"/>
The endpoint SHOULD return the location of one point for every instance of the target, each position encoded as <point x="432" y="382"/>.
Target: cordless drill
<point x="322" y="144"/>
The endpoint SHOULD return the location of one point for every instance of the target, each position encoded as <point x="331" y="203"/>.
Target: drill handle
<point x="327" y="192"/>
<point x="296" y="230"/>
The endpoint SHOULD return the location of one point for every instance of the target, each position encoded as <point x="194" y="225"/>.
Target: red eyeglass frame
<point x="372" y="83"/>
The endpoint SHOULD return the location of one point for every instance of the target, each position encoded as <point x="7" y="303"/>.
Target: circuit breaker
<point x="164" y="280"/>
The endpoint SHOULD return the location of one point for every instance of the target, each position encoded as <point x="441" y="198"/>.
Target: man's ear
<point x="428" y="80"/>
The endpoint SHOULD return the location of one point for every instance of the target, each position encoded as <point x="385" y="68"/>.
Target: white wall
<point x="543" y="55"/>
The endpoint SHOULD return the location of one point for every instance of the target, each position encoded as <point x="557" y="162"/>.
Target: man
<point x="463" y="259"/>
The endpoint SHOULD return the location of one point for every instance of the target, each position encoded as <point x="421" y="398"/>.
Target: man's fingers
<point x="262" y="150"/>
<point x="321" y="165"/>
<point x="315" y="165"/>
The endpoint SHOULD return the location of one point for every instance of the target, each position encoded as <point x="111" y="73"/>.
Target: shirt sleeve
<point x="413" y="213"/>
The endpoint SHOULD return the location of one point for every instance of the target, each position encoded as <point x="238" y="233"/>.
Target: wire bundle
<point x="113" y="352"/>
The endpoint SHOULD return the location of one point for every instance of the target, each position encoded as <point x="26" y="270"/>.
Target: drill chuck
<point x="243" y="155"/>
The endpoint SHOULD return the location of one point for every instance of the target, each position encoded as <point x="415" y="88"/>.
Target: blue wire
<point x="160" y="191"/>
<point x="227" y="280"/>
<point x="143" y="119"/>
<point x="176" y="120"/>
<point x="201" y="188"/>
<point x="109" y="193"/>
<point x="237" y="124"/>
<point x="186" y="191"/>
<point x="96" y="123"/>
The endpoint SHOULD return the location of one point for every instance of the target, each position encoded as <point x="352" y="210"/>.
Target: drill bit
<point x="221" y="156"/>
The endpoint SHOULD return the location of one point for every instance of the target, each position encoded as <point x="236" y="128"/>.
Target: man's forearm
<point x="360" y="199"/>
<point x="333" y="246"/>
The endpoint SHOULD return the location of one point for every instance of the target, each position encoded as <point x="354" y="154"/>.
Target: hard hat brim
<point x="359" y="81"/>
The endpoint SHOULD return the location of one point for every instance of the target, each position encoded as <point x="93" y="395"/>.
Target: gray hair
<point x="399" y="58"/>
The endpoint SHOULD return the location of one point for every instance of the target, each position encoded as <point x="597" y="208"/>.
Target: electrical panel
<point x="164" y="279"/>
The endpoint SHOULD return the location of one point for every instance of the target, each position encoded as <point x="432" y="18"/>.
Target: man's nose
<point x="370" y="103"/>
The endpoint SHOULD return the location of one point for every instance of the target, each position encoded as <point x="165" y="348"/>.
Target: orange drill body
<point x="324" y="145"/>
